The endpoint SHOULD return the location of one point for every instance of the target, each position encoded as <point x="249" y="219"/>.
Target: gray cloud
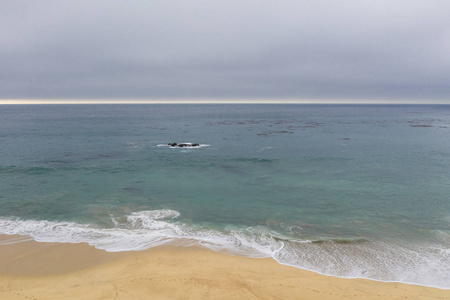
<point x="225" y="49"/>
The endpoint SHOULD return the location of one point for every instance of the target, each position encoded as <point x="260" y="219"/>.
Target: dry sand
<point x="31" y="270"/>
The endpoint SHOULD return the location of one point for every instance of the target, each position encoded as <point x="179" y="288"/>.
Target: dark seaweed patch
<point x="255" y="160"/>
<point x="340" y="241"/>
<point x="268" y="133"/>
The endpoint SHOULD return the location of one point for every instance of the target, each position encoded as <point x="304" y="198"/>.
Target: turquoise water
<point x="346" y="190"/>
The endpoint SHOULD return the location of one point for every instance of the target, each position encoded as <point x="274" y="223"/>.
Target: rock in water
<point x="183" y="145"/>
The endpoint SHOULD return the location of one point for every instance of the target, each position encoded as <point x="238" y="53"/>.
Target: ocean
<point x="355" y="191"/>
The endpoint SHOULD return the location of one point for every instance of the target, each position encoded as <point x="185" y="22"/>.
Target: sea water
<point x="345" y="190"/>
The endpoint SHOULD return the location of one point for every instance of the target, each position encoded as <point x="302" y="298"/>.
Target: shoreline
<point x="34" y="270"/>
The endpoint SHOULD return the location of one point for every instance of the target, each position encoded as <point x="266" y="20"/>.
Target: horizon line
<point x="215" y="101"/>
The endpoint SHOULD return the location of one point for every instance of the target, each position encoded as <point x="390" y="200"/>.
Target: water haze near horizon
<point x="345" y="190"/>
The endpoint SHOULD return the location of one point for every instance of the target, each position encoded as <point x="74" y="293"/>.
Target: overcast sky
<point x="392" y="50"/>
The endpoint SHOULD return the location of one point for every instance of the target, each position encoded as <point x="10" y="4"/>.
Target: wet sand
<point x="32" y="270"/>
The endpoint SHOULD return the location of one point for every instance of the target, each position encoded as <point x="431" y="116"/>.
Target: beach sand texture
<point x="32" y="270"/>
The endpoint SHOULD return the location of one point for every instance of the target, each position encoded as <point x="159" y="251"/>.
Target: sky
<point x="323" y="50"/>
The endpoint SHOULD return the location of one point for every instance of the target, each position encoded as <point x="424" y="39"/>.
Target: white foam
<point x="141" y="230"/>
<point x="384" y="261"/>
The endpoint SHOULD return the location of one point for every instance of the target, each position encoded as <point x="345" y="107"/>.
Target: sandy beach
<point x="32" y="270"/>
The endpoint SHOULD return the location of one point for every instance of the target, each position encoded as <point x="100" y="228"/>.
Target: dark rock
<point x="183" y="145"/>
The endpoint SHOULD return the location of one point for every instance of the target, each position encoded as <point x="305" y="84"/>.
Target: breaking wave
<point x="350" y="258"/>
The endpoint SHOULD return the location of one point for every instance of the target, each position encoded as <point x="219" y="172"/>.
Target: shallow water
<point x="346" y="190"/>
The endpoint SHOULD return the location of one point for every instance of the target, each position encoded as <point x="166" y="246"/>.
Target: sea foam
<point x="359" y="258"/>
